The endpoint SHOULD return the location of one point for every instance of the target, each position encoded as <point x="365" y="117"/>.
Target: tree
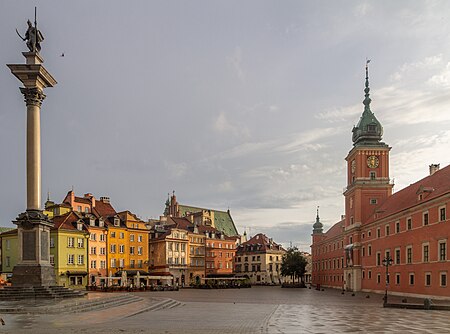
<point x="293" y="264"/>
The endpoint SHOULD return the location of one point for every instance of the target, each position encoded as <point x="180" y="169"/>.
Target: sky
<point x="246" y="105"/>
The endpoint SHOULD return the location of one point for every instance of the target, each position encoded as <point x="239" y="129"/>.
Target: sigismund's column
<point x="33" y="268"/>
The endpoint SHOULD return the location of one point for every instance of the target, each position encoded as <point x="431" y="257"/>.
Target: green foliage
<point x="293" y="264"/>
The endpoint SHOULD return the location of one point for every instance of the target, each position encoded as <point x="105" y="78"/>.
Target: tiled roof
<point x="262" y="240"/>
<point x="183" y="223"/>
<point x="6" y="229"/>
<point x="432" y="186"/>
<point x="82" y="200"/>
<point x="334" y="230"/>
<point x="104" y="209"/>
<point x="222" y="219"/>
<point x="66" y="221"/>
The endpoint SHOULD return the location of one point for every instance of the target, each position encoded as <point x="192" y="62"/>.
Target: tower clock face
<point x="373" y="161"/>
<point x="353" y="166"/>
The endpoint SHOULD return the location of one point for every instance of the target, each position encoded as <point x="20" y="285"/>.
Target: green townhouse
<point x="9" y="252"/>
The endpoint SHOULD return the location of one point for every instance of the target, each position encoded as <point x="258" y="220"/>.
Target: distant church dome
<point x="318" y="226"/>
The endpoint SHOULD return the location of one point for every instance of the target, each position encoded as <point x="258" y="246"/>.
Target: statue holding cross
<point x="33" y="36"/>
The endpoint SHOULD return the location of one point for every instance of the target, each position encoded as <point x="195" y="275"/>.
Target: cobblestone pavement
<point x="257" y="310"/>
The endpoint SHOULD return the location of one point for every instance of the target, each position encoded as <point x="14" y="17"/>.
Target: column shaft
<point x="33" y="157"/>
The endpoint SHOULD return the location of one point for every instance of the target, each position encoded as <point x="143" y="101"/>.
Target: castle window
<point x="442" y="215"/>
<point x="426" y="253"/>
<point x="428" y="279"/>
<point x="372" y="128"/>
<point x="387" y="230"/>
<point x="411" y="279"/>
<point x="444" y="279"/>
<point x="372" y="175"/>
<point x="409" y="223"/>
<point x="442" y="250"/>
<point x="397" y="227"/>
<point x="378" y="232"/>
<point x="425" y="218"/>
<point x="409" y="255"/>
<point x="373" y="201"/>
<point x="397" y="256"/>
<point x="397" y="279"/>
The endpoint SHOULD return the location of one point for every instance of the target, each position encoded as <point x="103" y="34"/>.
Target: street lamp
<point x="387" y="261"/>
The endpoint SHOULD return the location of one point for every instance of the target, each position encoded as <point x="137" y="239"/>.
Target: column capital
<point x="33" y="96"/>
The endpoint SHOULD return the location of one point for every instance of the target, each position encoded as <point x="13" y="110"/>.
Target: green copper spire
<point x="369" y="130"/>
<point x="318" y="226"/>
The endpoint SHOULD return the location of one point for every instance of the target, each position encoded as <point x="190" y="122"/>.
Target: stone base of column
<point x="33" y="268"/>
<point x="33" y="275"/>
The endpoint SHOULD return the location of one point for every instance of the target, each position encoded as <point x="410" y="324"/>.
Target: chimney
<point x="104" y="199"/>
<point x="434" y="168"/>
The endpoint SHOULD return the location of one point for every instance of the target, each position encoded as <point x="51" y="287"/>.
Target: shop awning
<point x="76" y="273"/>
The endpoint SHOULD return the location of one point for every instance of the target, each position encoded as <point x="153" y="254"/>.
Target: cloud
<point x="441" y="80"/>
<point x="235" y="60"/>
<point x="417" y="94"/>
<point x="176" y="170"/>
<point x="226" y="186"/>
<point x="223" y="126"/>
<point x="362" y="9"/>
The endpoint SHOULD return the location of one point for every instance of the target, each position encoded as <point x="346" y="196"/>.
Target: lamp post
<point x="387" y="261"/>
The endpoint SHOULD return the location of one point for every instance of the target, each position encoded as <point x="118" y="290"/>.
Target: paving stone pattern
<point x="262" y="310"/>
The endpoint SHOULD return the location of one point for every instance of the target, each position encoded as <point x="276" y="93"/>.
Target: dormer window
<point x="92" y="221"/>
<point x="80" y="226"/>
<point x="101" y="222"/>
<point x="116" y="221"/>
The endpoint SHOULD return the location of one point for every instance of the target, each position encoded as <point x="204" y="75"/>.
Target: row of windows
<point x="71" y="259"/>
<point x="255" y="267"/>
<point x="176" y="246"/>
<point x="256" y="258"/>
<point x="93" y="236"/>
<point x="94" y="264"/>
<point x="70" y="242"/>
<point x="411" y="278"/>
<point x="102" y="250"/>
<point x="441" y="253"/>
<point x="336" y="263"/>
<point x="328" y="248"/>
<point x="211" y="265"/>
<point x="212" y="254"/>
<point x="408" y="223"/>
<point x="121" y="263"/>
<point x="122" y="236"/>
<point x="220" y="245"/>
<point x="176" y="260"/>
<point x="113" y="249"/>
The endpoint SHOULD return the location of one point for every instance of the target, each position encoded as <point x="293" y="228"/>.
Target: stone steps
<point x="20" y="293"/>
<point x="164" y="304"/>
<point x="77" y="306"/>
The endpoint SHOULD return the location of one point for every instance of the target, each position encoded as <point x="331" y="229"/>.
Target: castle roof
<point x="424" y="190"/>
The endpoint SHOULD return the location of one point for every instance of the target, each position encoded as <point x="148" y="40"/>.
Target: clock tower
<point x="368" y="184"/>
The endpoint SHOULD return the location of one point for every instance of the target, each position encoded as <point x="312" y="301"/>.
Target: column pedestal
<point x="33" y="268"/>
